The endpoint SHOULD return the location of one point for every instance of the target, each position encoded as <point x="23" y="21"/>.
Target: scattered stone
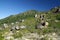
<point x="59" y="9"/>
<point x="56" y="20"/>
<point x="17" y="22"/>
<point x="23" y="20"/>
<point x="12" y="23"/>
<point x="17" y="27"/>
<point x="22" y="27"/>
<point x="9" y="37"/>
<point x="53" y="34"/>
<point x="46" y="23"/>
<point x="13" y="28"/>
<point x="36" y="15"/>
<point x="5" y="25"/>
<point x="39" y="26"/>
<point x="17" y="31"/>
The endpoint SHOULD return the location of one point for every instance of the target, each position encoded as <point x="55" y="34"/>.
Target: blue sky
<point x="12" y="7"/>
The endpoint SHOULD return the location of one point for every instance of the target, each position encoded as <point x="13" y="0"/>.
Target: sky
<point x="12" y="7"/>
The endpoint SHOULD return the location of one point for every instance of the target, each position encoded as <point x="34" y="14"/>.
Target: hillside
<point x="32" y="22"/>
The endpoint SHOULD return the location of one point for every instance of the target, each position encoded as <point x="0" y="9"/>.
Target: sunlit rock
<point x="53" y="34"/>
<point x="46" y="23"/>
<point x="5" y="25"/>
<point x="12" y="23"/>
<point x="17" y="27"/>
<point x="40" y="26"/>
<point x="9" y="37"/>
<point x="59" y="9"/>
<point x="17" y="31"/>
<point x="36" y="15"/>
<point x="16" y="22"/>
<point x="13" y="28"/>
<point x="23" y="20"/>
<point x="22" y="27"/>
<point x="56" y="20"/>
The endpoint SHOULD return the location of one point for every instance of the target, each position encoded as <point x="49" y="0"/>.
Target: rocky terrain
<point x="31" y="25"/>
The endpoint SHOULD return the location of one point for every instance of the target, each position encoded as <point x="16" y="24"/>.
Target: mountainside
<point x="32" y="22"/>
<point x="18" y="17"/>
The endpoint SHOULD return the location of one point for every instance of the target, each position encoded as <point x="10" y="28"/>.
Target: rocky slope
<point x="31" y="25"/>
